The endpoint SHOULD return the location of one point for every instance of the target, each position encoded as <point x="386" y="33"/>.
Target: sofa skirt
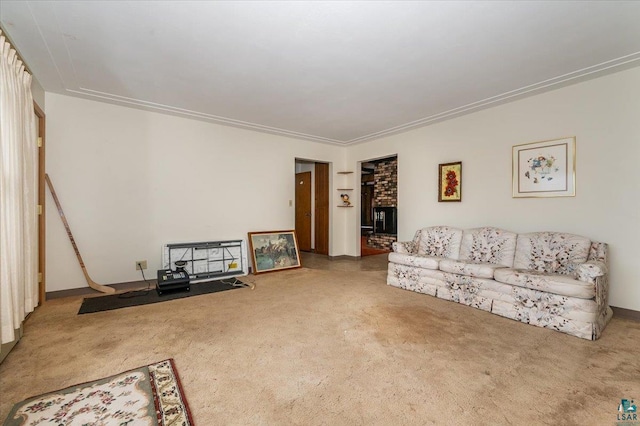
<point x="411" y="278"/>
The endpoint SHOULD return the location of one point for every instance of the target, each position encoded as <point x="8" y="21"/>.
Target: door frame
<point x="358" y="187"/>
<point x="42" y="294"/>
<point x="315" y="205"/>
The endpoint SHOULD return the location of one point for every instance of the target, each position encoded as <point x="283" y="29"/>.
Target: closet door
<point x="322" y="208"/>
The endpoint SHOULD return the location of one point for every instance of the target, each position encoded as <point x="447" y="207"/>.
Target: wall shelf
<point x="343" y="190"/>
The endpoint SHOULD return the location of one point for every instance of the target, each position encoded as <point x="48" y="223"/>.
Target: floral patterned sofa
<point x="548" y="279"/>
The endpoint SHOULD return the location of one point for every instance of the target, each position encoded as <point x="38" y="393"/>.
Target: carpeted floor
<point x="336" y="347"/>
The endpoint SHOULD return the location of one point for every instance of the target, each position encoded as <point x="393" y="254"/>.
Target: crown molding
<point x="615" y="65"/>
<point x="599" y="70"/>
<point x="182" y="112"/>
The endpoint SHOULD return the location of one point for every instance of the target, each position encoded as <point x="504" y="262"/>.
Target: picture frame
<point x="544" y="169"/>
<point x="274" y="251"/>
<point x="450" y="182"/>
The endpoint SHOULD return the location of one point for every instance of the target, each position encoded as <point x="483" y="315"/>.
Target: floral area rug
<point x="149" y="395"/>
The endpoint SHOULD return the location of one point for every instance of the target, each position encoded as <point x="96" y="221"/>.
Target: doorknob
<point x="308" y="214"/>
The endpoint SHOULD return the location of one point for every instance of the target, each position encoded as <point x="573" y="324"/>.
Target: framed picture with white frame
<point x="544" y="169"/>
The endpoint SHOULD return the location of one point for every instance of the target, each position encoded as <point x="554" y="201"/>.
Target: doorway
<point x="312" y="206"/>
<point x="379" y="201"/>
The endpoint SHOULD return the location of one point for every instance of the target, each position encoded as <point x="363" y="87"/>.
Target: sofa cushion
<point x="552" y="283"/>
<point x="552" y="252"/>
<point x="489" y="245"/>
<point x="440" y="241"/>
<point x="467" y="267"/>
<point x="421" y="261"/>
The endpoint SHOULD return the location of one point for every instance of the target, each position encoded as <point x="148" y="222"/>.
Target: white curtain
<point x="18" y="194"/>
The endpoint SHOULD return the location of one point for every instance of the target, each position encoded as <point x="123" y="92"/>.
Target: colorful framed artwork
<point x="450" y="182"/>
<point x="545" y="169"/>
<point x="274" y="251"/>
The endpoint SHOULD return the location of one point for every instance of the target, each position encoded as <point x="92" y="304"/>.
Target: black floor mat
<point x="144" y="297"/>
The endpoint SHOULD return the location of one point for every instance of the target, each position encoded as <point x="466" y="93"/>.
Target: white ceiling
<point x="335" y="72"/>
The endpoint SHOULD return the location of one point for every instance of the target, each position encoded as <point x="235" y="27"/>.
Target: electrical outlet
<point x="141" y="264"/>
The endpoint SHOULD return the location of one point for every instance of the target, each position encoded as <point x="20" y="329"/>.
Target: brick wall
<point x="385" y="194"/>
<point x="385" y="189"/>
<point x="381" y="241"/>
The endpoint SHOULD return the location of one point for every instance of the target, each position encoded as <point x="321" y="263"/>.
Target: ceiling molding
<point x="594" y="71"/>
<point x="608" y="67"/>
<point x="378" y="83"/>
<point x="168" y="109"/>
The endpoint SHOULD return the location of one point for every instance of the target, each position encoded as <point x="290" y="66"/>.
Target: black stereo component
<point x="169" y="280"/>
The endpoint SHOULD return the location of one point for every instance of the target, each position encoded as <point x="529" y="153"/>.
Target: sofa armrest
<point x="589" y="271"/>
<point x="596" y="272"/>
<point x="406" y="247"/>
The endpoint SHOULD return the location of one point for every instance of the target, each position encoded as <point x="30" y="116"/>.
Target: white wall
<point x="130" y="181"/>
<point x="603" y="114"/>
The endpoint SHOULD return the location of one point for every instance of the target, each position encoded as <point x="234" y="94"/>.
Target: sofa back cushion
<point x="440" y="241"/>
<point x="489" y="245"/>
<point x="551" y="252"/>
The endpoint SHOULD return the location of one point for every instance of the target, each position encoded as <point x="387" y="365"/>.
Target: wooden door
<point x="322" y="208"/>
<point x="366" y="211"/>
<point x="303" y="210"/>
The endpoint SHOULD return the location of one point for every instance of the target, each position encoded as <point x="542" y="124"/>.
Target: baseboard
<point x="85" y="291"/>
<point x="626" y="313"/>
<point x="344" y="257"/>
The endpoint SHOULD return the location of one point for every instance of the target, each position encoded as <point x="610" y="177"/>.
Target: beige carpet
<point x="335" y="347"/>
